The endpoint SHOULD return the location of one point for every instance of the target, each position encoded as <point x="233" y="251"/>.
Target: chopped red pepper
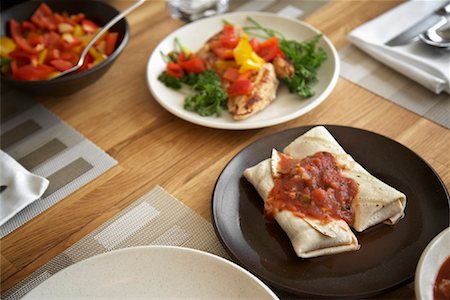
<point x="231" y="74"/>
<point x="174" y="70"/>
<point x="239" y="88"/>
<point x="255" y="44"/>
<point x="111" y="40"/>
<point x="16" y="33"/>
<point x="221" y="51"/>
<point x="61" y="64"/>
<point x="193" y="65"/>
<point x="43" y="17"/>
<point x="49" y="42"/>
<point x="269" y="49"/>
<point x="30" y="72"/>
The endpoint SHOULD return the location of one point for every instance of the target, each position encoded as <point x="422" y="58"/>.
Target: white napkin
<point x="422" y="63"/>
<point x="22" y="187"/>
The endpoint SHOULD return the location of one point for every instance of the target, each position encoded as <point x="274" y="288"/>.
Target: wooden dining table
<point x="154" y="147"/>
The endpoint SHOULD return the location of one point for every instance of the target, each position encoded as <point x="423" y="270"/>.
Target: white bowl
<point x="431" y="260"/>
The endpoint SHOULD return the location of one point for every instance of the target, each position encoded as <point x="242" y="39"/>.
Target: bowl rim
<point x="422" y="280"/>
<point x="107" y="61"/>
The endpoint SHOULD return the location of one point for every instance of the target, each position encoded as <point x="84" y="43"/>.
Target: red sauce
<point x="313" y="187"/>
<point x="441" y="289"/>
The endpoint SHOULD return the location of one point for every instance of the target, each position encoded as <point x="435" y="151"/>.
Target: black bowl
<point x="97" y="11"/>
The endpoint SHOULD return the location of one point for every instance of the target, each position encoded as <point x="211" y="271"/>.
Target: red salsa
<point x="312" y="187"/>
<point x="441" y="288"/>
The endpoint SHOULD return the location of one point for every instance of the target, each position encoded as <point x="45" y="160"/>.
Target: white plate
<point x="153" y="272"/>
<point x="431" y="260"/>
<point x="285" y="108"/>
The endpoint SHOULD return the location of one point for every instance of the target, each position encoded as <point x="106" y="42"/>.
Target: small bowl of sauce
<point x="432" y="280"/>
<point x="441" y="289"/>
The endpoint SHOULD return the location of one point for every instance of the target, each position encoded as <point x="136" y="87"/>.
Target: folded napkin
<point x="19" y="187"/>
<point x="424" y="64"/>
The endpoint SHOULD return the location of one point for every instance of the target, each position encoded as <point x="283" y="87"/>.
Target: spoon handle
<point x="98" y="35"/>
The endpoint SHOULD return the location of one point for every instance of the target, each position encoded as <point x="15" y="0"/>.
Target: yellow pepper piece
<point x="95" y="54"/>
<point x="246" y="57"/>
<point x="222" y="65"/>
<point x="6" y="46"/>
<point x="42" y="56"/>
<point x="101" y="46"/>
<point x="98" y="57"/>
<point x="78" y="31"/>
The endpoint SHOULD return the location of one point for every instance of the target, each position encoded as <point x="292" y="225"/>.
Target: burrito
<point x="376" y="202"/>
<point x="316" y="191"/>
<point x="310" y="236"/>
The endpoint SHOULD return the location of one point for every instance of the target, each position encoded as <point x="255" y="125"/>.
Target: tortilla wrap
<point x="309" y="237"/>
<point x="376" y="202"/>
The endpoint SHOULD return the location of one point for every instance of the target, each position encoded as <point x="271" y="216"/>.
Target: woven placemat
<point x="48" y="147"/>
<point x="156" y="218"/>
<point x="381" y="80"/>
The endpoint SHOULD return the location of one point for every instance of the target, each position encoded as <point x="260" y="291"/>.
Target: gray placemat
<point x="48" y="147"/>
<point x="156" y="218"/>
<point x="365" y="71"/>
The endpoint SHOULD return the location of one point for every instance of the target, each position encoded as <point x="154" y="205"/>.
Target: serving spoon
<point x="97" y="36"/>
<point x="438" y="35"/>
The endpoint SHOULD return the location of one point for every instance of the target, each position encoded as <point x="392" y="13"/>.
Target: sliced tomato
<point x="239" y="88"/>
<point x="88" y="25"/>
<point x="43" y="17"/>
<point x="27" y="25"/>
<point x="245" y="75"/>
<point x="76" y="18"/>
<point x="30" y="72"/>
<point x="35" y="39"/>
<point x="14" y="67"/>
<point x="222" y="52"/>
<point x="74" y="43"/>
<point x="16" y="34"/>
<point x="20" y="55"/>
<point x="228" y="29"/>
<point x="69" y="56"/>
<point x="229" y="41"/>
<point x="50" y="42"/>
<point x="269" y="49"/>
<point x="61" y="64"/>
<point x="174" y="70"/>
<point x="228" y="38"/>
<point x="111" y="40"/>
<point x="193" y="65"/>
<point x="231" y="74"/>
<point x="255" y="44"/>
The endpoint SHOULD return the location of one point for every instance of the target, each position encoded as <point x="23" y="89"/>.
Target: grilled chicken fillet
<point x="264" y="88"/>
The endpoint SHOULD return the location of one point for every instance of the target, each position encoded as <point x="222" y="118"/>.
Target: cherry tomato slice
<point x="240" y="87"/>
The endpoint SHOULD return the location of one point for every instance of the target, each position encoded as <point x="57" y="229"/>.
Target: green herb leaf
<point x="170" y="81"/>
<point x="4" y="61"/>
<point x="306" y="57"/>
<point x="211" y="99"/>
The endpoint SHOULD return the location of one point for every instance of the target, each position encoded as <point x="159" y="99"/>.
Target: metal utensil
<point x="412" y="33"/>
<point x="2" y="188"/>
<point x="438" y="35"/>
<point x="97" y="36"/>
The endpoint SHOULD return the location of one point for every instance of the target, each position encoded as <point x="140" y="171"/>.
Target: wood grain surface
<point x="153" y="146"/>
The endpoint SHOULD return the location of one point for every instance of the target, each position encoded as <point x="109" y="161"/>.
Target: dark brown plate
<point x="388" y="255"/>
